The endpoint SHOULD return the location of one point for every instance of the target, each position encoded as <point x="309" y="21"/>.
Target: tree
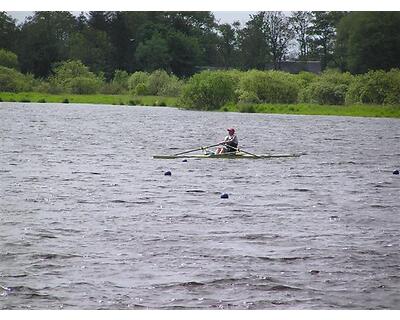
<point x="323" y="32"/>
<point x="153" y="54"/>
<point x="185" y="53"/>
<point x="8" y="32"/>
<point x="8" y="59"/>
<point x="278" y="34"/>
<point x="369" y="41"/>
<point x="227" y="44"/>
<point x="44" y="38"/>
<point x="93" y="48"/>
<point x="254" y="53"/>
<point x="300" y="22"/>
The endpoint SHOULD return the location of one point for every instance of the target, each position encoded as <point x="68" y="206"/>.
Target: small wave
<point x="300" y="189"/>
<point x="13" y="276"/>
<point x="50" y="256"/>
<point x="282" y="287"/>
<point x="283" y="259"/>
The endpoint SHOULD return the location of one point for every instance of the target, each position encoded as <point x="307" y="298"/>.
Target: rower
<point x="230" y="143"/>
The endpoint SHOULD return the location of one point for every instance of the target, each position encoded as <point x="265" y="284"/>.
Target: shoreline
<point x="361" y="110"/>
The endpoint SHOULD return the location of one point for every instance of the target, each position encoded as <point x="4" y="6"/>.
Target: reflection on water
<point x="88" y="220"/>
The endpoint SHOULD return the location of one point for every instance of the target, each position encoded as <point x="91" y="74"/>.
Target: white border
<point x="202" y="314"/>
<point x="200" y="5"/>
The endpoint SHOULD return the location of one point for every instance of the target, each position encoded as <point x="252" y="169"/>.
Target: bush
<point x="378" y="87"/>
<point x="157" y="80"/>
<point x="112" y="88"/>
<point x="173" y="88"/>
<point x="8" y="59"/>
<point x="141" y="90"/>
<point x="271" y="86"/>
<point x="208" y="90"/>
<point x="70" y="75"/>
<point x="84" y="85"/>
<point x="245" y="97"/>
<point x="121" y="78"/>
<point x="330" y="88"/>
<point x="13" y="81"/>
<point x="305" y="78"/>
<point x="137" y="78"/>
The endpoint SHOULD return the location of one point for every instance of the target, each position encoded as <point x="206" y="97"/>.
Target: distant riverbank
<point x="361" y="110"/>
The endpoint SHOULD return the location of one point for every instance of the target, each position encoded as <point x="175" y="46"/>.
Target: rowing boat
<point x="230" y="155"/>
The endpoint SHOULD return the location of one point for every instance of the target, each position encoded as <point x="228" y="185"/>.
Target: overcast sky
<point x="221" y="16"/>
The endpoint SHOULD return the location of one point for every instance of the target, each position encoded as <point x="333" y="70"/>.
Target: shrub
<point x="305" y="78"/>
<point x="70" y="75"/>
<point x="84" y="85"/>
<point x="112" y="88"/>
<point x="329" y="88"/>
<point x="41" y="100"/>
<point x="208" y="90"/>
<point x="157" y="80"/>
<point x="13" y="81"/>
<point x="65" y="100"/>
<point x="141" y="90"/>
<point x="245" y="97"/>
<point x="173" y="88"/>
<point x="378" y="87"/>
<point x="8" y="59"/>
<point x="137" y="78"/>
<point x="121" y="78"/>
<point x="271" y="86"/>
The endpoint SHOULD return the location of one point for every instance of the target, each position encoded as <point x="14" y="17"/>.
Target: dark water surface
<point x="89" y="221"/>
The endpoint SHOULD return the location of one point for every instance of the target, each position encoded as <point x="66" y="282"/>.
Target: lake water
<point x="88" y="220"/>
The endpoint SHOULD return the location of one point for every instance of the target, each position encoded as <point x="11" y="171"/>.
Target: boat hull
<point x="240" y="155"/>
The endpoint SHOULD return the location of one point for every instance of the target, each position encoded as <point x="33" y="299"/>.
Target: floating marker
<point x="224" y="196"/>
<point x="168" y="173"/>
<point x="184" y="160"/>
<point x="314" y="271"/>
<point x="396" y="172"/>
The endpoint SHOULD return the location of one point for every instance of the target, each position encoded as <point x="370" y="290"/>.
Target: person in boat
<point x="230" y="143"/>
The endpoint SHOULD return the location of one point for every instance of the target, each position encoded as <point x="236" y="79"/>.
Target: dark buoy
<point x="396" y="172"/>
<point x="184" y="160"/>
<point x="168" y="173"/>
<point x="314" y="271"/>
<point x="224" y="196"/>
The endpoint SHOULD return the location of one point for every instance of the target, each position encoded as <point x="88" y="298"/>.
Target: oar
<point x="197" y="149"/>
<point x="252" y="154"/>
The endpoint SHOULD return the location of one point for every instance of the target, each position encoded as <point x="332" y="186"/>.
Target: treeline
<point x="182" y="43"/>
<point x="211" y="90"/>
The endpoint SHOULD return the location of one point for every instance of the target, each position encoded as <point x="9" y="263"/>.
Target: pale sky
<point x="221" y="16"/>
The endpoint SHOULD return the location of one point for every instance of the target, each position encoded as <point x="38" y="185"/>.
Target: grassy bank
<point x="90" y="98"/>
<point x="361" y="110"/>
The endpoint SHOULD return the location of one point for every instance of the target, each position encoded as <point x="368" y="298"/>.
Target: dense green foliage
<point x="369" y="41"/>
<point x="75" y="77"/>
<point x="377" y="87"/>
<point x="8" y="59"/>
<point x="208" y="90"/>
<point x="13" y="81"/>
<point x="161" y="54"/>
<point x="269" y="86"/>
<point x="330" y="88"/>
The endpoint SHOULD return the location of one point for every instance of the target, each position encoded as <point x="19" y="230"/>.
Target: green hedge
<point x="329" y="88"/>
<point x="269" y="86"/>
<point x="208" y="90"/>
<point x="375" y="87"/>
<point x="13" y="81"/>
